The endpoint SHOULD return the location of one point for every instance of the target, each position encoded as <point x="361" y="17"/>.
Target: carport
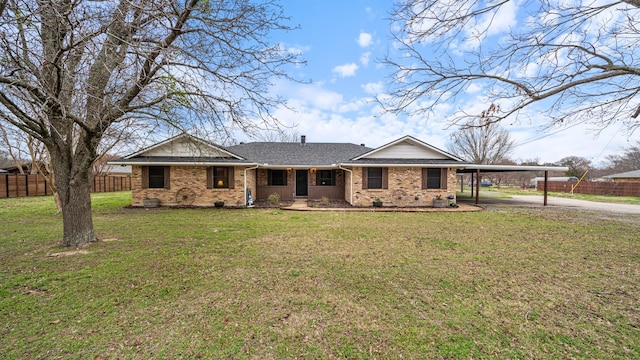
<point x="477" y="169"/>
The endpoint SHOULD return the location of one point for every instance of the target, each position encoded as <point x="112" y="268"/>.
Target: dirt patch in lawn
<point x="68" y="253"/>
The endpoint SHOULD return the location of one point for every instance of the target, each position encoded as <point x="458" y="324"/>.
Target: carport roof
<point x="472" y="168"/>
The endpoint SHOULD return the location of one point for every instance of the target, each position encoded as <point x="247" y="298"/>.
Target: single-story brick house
<point x="185" y="170"/>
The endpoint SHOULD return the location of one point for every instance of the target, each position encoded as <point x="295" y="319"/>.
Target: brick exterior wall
<point x="405" y="188"/>
<point x="191" y="180"/>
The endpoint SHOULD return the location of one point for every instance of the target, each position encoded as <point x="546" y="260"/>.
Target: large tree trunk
<point x="72" y="175"/>
<point x="76" y="214"/>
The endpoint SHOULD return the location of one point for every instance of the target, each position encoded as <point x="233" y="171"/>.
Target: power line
<point x="547" y="135"/>
<point x="567" y="128"/>
<point x="609" y="142"/>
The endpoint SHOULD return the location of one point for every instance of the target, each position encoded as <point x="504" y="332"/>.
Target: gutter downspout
<point x="350" y="183"/>
<point x="245" y="183"/>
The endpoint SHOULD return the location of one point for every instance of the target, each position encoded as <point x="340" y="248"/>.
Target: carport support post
<point x="472" y="183"/>
<point x="477" y="186"/>
<point x="546" y="177"/>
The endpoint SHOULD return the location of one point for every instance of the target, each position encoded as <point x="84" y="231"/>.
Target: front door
<point x="302" y="183"/>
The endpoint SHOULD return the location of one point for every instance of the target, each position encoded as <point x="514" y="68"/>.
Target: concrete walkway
<point x="468" y="204"/>
<point x="301" y="205"/>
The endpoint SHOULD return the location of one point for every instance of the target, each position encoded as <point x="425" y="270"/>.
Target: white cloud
<point x="365" y="39"/>
<point x="346" y="70"/>
<point x="373" y="88"/>
<point x="504" y="19"/>
<point x="324" y="116"/>
<point x="574" y="141"/>
<point x="296" y="49"/>
<point x="364" y="58"/>
<point x="318" y="97"/>
<point x="473" y="88"/>
<point x="353" y="106"/>
<point x="490" y="24"/>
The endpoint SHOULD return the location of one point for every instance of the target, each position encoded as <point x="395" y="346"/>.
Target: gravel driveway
<point x="531" y="200"/>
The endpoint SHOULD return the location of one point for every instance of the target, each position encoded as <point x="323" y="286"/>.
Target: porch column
<point x="472" y="184"/>
<point x="477" y="186"/>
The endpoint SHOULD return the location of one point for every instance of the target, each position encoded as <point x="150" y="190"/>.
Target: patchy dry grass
<point x="261" y="284"/>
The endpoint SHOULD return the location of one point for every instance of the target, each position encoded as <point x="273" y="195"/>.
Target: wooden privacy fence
<point x="593" y="187"/>
<point x="15" y="185"/>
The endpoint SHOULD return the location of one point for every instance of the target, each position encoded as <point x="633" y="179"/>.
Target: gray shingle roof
<point x="297" y="154"/>
<point x="628" y="174"/>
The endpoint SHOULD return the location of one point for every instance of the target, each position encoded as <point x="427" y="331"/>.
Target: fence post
<point x="546" y="179"/>
<point x="6" y="182"/>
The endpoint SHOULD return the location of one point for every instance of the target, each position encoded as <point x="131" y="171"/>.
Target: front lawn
<point x="267" y="284"/>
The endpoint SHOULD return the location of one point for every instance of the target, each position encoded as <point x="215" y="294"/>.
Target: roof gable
<point x="185" y="145"/>
<point x="408" y="147"/>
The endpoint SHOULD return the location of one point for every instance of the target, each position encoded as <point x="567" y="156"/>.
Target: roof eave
<point x="488" y="168"/>
<point x="440" y="165"/>
<point x="123" y="162"/>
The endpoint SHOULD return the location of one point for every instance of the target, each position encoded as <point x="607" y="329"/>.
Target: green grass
<point x="256" y="284"/>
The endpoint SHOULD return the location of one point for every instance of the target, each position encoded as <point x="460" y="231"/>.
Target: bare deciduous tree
<point x="72" y="71"/>
<point x="10" y="141"/>
<point x="577" y="165"/>
<point x="563" y="61"/>
<point x="482" y="143"/>
<point x="629" y="160"/>
<point x="279" y="135"/>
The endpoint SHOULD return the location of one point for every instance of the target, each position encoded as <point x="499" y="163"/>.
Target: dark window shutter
<point x="424" y="178"/>
<point x="232" y="182"/>
<point x="145" y="177"/>
<point x="443" y="179"/>
<point x="167" y="173"/>
<point x="210" y="177"/>
<point x="365" y="176"/>
<point x="385" y="178"/>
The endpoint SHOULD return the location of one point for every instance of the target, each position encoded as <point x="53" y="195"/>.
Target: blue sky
<point x="342" y="42"/>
